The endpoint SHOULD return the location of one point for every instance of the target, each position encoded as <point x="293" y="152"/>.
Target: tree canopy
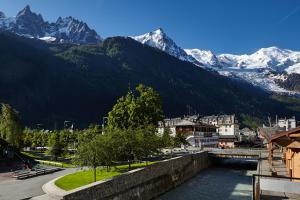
<point x="139" y="108"/>
<point x="11" y="128"/>
<point x="94" y="153"/>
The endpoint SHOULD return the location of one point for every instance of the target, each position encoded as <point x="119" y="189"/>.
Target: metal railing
<point x="256" y="183"/>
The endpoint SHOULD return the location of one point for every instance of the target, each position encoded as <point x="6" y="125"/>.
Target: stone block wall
<point x="145" y="183"/>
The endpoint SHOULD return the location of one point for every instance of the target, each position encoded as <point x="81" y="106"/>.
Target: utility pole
<point x="189" y="109"/>
<point x="270" y="123"/>
<point x="55" y="126"/>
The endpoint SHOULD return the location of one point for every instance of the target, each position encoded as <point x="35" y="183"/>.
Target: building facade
<point x="288" y="124"/>
<point x="197" y="134"/>
<point x="227" y="141"/>
<point x="226" y="124"/>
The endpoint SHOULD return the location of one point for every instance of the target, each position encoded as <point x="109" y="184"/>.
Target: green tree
<point x="132" y="122"/>
<point x="166" y="139"/>
<point x="11" y="128"/>
<point x="140" y="108"/>
<point x="65" y="137"/>
<point x="125" y="143"/>
<point x="28" y="137"/>
<point x="133" y="144"/>
<point x="149" y="142"/>
<point x="180" y="139"/>
<point x="94" y="153"/>
<point x="250" y="121"/>
<point x="149" y="107"/>
<point x="56" y="145"/>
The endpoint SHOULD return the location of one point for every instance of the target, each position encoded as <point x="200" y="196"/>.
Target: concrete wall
<point x="145" y="183"/>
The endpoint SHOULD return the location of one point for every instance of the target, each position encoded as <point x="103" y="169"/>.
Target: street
<point x="12" y="189"/>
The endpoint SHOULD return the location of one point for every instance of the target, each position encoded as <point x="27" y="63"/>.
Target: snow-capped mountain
<point x="160" y="40"/>
<point x="207" y="58"/>
<point x="272" y="58"/>
<point x="265" y="68"/>
<point x="29" y="24"/>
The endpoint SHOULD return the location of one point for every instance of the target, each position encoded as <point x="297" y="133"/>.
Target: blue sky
<point x="223" y="26"/>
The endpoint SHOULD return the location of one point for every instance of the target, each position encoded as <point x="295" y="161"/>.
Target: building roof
<point x="185" y="122"/>
<point x="268" y="132"/>
<point x="246" y="129"/>
<point x="286" y="138"/>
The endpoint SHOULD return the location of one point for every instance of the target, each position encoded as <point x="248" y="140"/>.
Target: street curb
<point x="52" y="190"/>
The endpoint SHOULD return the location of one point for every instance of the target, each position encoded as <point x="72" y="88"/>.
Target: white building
<point x="227" y="125"/>
<point x="197" y="134"/>
<point x="288" y="124"/>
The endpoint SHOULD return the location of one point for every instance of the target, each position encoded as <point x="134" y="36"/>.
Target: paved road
<point x="22" y="189"/>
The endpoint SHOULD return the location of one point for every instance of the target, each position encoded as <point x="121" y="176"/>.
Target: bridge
<point x="236" y="153"/>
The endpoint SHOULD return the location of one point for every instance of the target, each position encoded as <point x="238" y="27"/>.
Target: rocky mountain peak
<point x="32" y="25"/>
<point x="2" y="15"/>
<point x="159" y="31"/>
<point x="59" y="20"/>
<point x="160" y="40"/>
<point x="25" y="11"/>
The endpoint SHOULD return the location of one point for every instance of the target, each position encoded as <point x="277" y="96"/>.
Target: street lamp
<point x="39" y="126"/>
<point x="104" y="119"/>
<point x="66" y="123"/>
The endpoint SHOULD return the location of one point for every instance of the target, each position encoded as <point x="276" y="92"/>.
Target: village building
<point x="227" y="128"/>
<point x="197" y="134"/>
<point x="227" y="141"/>
<point x="289" y="144"/>
<point x="288" y="124"/>
<point x="226" y="124"/>
<point x="282" y="124"/>
<point x="247" y="135"/>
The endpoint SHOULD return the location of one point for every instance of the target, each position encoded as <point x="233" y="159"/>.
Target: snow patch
<point x="48" y="39"/>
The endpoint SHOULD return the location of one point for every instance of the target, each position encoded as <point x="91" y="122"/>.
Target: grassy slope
<point x="78" y="179"/>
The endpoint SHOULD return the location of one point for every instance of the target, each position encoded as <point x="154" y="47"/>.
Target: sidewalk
<point x="52" y="191"/>
<point x="277" y="167"/>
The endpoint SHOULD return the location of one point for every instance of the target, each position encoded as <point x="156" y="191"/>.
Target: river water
<point x="214" y="184"/>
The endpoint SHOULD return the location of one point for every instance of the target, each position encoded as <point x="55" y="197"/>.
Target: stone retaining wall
<point x="146" y="183"/>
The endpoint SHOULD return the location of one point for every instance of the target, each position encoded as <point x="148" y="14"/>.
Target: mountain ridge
<point x="29" y="24"/>
<point x="267" y="68"/>
<point x="80" y="83"/>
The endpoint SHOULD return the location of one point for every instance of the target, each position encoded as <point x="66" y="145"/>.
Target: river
<point x="214" y="184"/>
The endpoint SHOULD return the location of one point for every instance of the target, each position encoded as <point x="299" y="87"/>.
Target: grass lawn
<point x="39" y="159"/>
<point x="30" y="155"/>
<point x="56" y="163"/>
<point x="78" y="179"/>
